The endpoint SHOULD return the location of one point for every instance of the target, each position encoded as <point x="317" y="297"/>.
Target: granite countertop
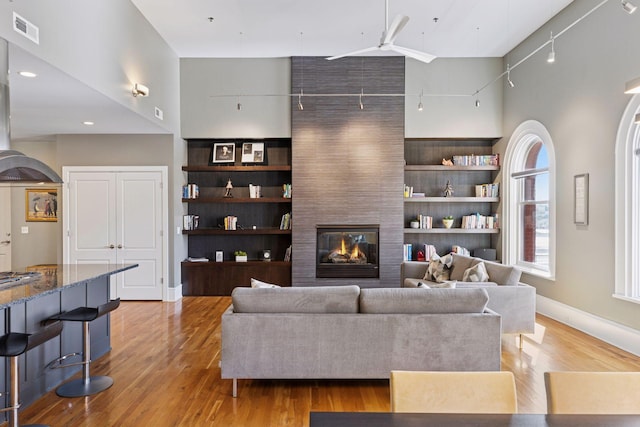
<point x="54" y="278"/>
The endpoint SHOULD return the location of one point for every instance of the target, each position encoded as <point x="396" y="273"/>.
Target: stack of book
<point x="285" y="222"/>
<point x="487" y="190"/>
<point x="230" y="222"/>
<point x="190" y="191"/>
<point x="460" y="250"/>
<point x="190" y="222"/>
<point x="477" y="160"/>
<point x="286" y="191"/>
<point x="255" y="191"/>
<point x="407" y="252"/>
<point x="477" y="220"/>
<point x="425" y="221"/>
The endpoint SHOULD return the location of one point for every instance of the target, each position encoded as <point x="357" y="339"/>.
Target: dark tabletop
<point x="385" y="419"/>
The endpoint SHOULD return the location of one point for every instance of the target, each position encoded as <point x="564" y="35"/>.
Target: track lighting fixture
<point x="238" y="105"/>
<point x="361" y="105"/>
<point x="509" y="76"/>
<point x="477" y="102"/>
<point x="552" y="55"/>
<point x="420" y="106"/>
<point x="300" y="106"/>
<point x="628" y="7"/>
<point x="632" y="86"/>
<point x="139" y="90"/>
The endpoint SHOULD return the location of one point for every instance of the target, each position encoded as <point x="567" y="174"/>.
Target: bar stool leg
<point x="15" y="395"/>
<point x="87" y="385"/>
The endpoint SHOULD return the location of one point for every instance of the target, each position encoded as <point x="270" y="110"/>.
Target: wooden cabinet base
<point x="219" y="278"/>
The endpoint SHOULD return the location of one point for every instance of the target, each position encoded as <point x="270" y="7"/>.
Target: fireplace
<point x="347" y="251"/>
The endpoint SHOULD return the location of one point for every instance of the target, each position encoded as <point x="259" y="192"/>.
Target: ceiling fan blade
<point x="394" y="29"/>
<point x="415" y="54"/>
<point x="355" y="52"/>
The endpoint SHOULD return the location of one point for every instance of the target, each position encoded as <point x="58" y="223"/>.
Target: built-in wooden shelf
<point x="238" y="200"/>
<point x="451" y="230"/>
<point x="247" y="232"/>
<point x="442" y="168"/>
<point x="451" y="199"/>
<point x="268" y="168"/>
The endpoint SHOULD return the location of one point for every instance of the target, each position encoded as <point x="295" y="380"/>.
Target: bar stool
<point x="87" y="385"/>
<point x="12" y="345"/>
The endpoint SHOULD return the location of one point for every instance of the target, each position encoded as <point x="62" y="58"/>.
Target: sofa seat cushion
<point x="319" y="299"/>
<point x="422" y="301"/>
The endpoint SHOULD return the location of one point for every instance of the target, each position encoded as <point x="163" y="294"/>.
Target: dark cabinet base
<point x="219" y="278"/>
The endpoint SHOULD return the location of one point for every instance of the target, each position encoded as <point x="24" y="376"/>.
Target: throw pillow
<point x="477" y="273"/>
<point x="447" y="284"/>
<point x="439" y="267"/>
<point x="255" y="283"/>
<point x="423" y="286"/>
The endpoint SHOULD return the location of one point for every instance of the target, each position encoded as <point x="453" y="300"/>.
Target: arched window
<point x="529" y="200"/>
<point x="627" y="213"/>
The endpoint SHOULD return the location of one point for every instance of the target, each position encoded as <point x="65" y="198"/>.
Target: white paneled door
<point x="119" y="216"/>
<point x="5" y="229"/>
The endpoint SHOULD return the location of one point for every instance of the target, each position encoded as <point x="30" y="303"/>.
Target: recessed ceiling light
<point x="27" y="74"/>
<point x="88" y="123"/>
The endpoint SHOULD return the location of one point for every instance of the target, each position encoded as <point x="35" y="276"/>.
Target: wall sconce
<point x="140" y="90"/>
<point x="632" y="86"/>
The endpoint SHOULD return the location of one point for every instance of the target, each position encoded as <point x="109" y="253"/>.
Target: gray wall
<point x="580" y="100"/>
<point x="453" y="116"/>
<point x="208" y="102"/>
<point x="347" y="163"/>
<point x="108" y="49"/>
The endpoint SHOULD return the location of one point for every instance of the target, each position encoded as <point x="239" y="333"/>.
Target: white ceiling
<point x="55" y="103"/>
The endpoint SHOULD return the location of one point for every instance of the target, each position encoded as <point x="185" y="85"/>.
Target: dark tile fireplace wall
<point x="348" y="164"/>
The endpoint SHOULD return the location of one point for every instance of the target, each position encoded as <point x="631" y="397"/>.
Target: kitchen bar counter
<point x="54" y="278"/>
<point x="25" y="304"/>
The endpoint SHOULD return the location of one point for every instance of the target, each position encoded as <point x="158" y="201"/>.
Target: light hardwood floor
<point x="164" y="361"/>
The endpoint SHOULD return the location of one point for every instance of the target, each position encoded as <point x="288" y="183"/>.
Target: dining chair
<point x="593" y="392"/>
<point x="486" y="392"/>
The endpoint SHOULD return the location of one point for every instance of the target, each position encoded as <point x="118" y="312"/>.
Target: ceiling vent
<point x="26" y="28"/>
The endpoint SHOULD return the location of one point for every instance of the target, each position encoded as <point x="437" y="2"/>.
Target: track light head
<point x="420" y="106"/>
<point x="509" y="77"/>
<point x="239" y="106"/>
<point x="628" y="7"/>
<point x="552" y="55"/>
<point x="477" y="103"/>
<point x="139" y="89"/>
<point x="300" y="106"/>
<point x="360" y="104"/>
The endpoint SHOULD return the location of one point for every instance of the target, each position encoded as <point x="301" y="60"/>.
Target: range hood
<point x="14" y="166"/>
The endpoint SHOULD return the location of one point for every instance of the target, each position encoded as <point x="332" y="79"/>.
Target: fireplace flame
<point x="356" y="252"/>
<point x="343" y="250"/>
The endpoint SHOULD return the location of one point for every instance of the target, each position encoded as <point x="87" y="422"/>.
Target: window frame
<point x="627" y="205"/>
<point x="522" y="139"/>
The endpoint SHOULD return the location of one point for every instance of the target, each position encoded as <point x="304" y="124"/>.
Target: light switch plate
<point x="24" y="230"/>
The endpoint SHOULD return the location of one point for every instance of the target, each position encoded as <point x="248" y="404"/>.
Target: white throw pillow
<point x="447" y="284"/>
<point x="439" y="268"/>
<point x="255" y="283"/>
<point x="423" y="285"/>
<point x="477" y="273"/>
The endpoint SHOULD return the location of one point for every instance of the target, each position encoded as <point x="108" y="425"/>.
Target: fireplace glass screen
<point x="347" y="251"/>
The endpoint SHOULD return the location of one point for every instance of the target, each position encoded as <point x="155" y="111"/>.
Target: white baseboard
<point x="621" y="336"/>
<point x="174" y="294"/>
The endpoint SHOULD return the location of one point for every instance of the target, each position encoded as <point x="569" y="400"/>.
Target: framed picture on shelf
<point x="41" y="204"/>
<point x="223" y="152"/>
<point x="253" y="152"/>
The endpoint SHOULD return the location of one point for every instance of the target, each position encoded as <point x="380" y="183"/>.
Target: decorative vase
<point x="447" y="223"/>
<point x="414" y="224"/>
<point x="241" y="258"/>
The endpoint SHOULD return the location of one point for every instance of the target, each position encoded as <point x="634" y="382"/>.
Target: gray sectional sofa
<point x="512" y="299"/>
<point x="346" y="332"/>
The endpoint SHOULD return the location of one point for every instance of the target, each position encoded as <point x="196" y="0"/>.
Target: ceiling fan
<point x="388" y="37"/>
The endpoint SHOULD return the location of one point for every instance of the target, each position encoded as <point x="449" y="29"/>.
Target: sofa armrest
<point x="412" y="270"/>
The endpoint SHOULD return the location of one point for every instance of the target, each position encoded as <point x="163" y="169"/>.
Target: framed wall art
<point x="581" y="199"/>
<point x="253" y="152"/>
<point x="41" y="204"/>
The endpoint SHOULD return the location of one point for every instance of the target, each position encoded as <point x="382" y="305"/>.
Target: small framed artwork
<point x="253" y="152"/>
<point x="581" y="199"/>
<point x="41" y="204"/>
<point x="223" y="152"/>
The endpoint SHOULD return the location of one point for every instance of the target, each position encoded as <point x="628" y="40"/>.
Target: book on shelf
<point x="255" y="191"/>
<point x="429" y="251"/>
<point x="190" y="222"/>
<point x="425" y="221"/>
<point x="190" y="191"/>
<point x="414" y="194"/>
<point x="285" y="221"/>
<point x="197" y="259"/>
<point x="477" y="160"/>
<point x="487" y="190"/>
<point x="478" y="221"/>
<point x="286" y="191"/>
<point x="460" y="250"/>
<point x="407" y="252"/>
<point x="287" y="254"/>
<point x="230" y="222"/>
<point x="408" y="191"/>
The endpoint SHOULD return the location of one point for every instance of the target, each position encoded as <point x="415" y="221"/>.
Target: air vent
<point x="26" y="28"/>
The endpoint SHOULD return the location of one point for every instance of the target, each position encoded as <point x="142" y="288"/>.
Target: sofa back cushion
<point x="320" y="299"/>
<point x="499" y="273"/>
<point x="422" y="301"/>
